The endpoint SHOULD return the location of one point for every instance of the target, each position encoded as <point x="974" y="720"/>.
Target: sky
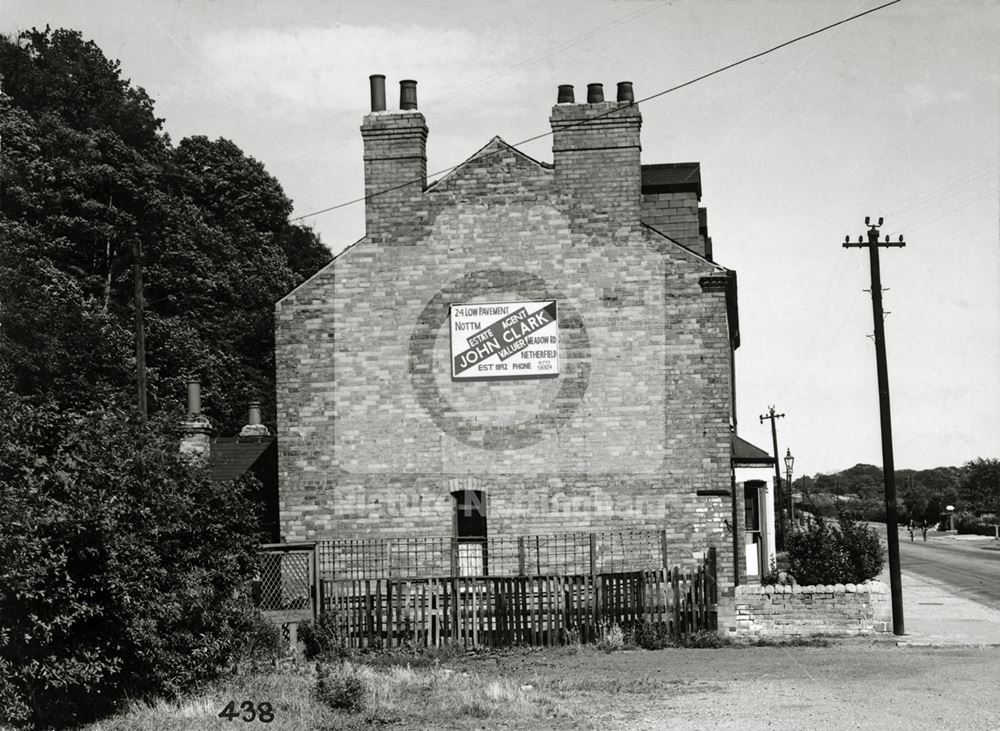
<point x="896" y="114"/>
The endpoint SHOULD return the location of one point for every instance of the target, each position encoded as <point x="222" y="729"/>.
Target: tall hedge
<point x="120" y="565"/>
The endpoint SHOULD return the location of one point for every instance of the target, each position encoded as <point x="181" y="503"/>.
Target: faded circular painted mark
<point x="574" y="362"/>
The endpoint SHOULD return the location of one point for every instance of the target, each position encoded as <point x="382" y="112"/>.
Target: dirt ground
<point x="848" y="684"/>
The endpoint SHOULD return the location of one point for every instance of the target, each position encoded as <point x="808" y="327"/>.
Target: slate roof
<point x="672" y="177"/>
<point x="233" y="457"/>
<point x="744" y="453"/>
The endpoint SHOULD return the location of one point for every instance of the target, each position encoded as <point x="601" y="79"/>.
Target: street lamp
<point x="789" y="461"/>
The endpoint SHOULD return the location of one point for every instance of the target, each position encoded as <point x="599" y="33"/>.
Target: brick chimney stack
<point x="196" y="438"/>
<point x="395" y="158"/>
<point x="253" y="427"/>
<point x="595" y="148"/>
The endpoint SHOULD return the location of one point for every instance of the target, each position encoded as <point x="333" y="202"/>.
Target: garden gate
<point x="286" y="590"/>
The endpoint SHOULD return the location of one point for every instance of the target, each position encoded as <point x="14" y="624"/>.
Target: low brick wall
<point x="795" y="611"/>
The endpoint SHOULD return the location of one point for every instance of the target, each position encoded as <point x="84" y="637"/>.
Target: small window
<point x="470" y="529"/>
<point x="751" y="500"/>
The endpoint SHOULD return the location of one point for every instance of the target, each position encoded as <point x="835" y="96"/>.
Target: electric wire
<point x="613" y="110"/>
<point x="444" y="99"/>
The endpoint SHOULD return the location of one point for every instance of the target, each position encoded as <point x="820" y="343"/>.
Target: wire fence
<point x="529" y="555"/>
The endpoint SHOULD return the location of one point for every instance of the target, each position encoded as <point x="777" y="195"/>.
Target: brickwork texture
<point x="799" y="611"/>
<point x="634" y="432"/>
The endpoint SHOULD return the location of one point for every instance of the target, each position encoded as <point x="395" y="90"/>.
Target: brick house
<point x="610" y="402"/>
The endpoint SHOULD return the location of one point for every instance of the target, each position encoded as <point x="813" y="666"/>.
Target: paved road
<point x="971" y="569"/>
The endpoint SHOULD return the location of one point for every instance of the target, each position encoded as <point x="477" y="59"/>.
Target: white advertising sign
<point x="504" y="340"/>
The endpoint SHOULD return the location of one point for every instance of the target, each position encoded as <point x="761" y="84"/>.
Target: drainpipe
<point x="736" y="531"/>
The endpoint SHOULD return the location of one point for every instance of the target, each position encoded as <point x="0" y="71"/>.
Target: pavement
<point x="934" y="616"/>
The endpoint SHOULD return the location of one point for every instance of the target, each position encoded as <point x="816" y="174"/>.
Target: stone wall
<point x="797" y="611"/>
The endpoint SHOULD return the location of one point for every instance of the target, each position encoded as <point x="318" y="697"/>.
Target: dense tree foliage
<point x="88" y="175"/>
<point x="119" y="565"/>
<point x="921" y="495"/>
<point x="981" y="484"/>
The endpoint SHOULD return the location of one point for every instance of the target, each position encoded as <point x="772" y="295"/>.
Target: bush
<point x="262" y="643"/>
<point x="322" y="639"/>
<point x="821" y="553"/>
<point x="777" y="576"/>
<point x="612" y="638"/>
<point x="969" y="524"/>
<point x="863" y="549"/>
<point x="341" y="687"/>
<point x="652" y="635"/>
<point x="120" y="566"/>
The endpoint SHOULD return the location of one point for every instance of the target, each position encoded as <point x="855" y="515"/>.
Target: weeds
<point x="612" y="638"/>
<point x="386" y="694"/>
<point x="341" y="688"/>
<point x="323" y="639"/>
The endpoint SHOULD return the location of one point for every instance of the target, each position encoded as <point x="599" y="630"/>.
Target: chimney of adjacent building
<point x="253" y="427"/>
<point x="377" y="83"/>
<point x="196" y="431"/>
<point x="395" y="157"/>
<point x="595" y="148"/>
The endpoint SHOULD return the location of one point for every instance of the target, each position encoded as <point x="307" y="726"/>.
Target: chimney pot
<point x="196" y="438"/>
<point x="625" y="92"/>
<point x="408" y="94"/>
<point x="253" y="427"/>
<point x="595" y="93"/>
<point x="377" y="82"/>
<point x="565" y="94"/>
<point x="194" y="397"/>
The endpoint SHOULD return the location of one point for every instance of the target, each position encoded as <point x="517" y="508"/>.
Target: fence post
<point x="315" y="585"/>
<point x="663" y="548"/>
<point x="675" y="580"/>
<point x="713" y="567"/>
<point x="595" y="585"/>
<point x="454" y="589"/>
<point x="520" y="555"/>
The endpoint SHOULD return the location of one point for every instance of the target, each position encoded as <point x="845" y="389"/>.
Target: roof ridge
<point x="688" y="249"/>
<point x="479" y="153"/>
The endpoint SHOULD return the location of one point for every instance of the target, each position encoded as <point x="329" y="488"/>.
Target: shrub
<point x="863" y="549"/>
<point x="777" y="576"/>
<point x="262" y="642"/>
<point x="969" y="524"/>
<point x="652" y="635"/>
<point x="120" y="565"/>
<point x="821" y="553"/>
<point x="322" y="639"/>
<point x="704" y="639"/>
<point x="341" y="687"/>
<point x="612" y="638"/>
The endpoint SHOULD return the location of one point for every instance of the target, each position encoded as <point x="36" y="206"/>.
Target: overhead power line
<point x="614" y="110"/>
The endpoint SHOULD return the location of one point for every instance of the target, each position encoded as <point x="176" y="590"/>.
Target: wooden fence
<point x="531" y="610"/>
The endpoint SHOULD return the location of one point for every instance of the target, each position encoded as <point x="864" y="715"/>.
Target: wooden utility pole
<point x="778" y="499"/>
<point x="140" y="332"/>
<point x="888" y="466"/>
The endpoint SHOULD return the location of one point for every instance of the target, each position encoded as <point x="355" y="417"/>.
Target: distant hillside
<point x="921" y="494"/>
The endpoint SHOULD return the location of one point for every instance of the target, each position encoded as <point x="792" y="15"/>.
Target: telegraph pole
<point x="888" y="467"/>
<point x="777" y="474"/>
<point x="140" y="332"/>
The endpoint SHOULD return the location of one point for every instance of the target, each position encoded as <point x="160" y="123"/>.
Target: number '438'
<point x="248" y="712"/>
